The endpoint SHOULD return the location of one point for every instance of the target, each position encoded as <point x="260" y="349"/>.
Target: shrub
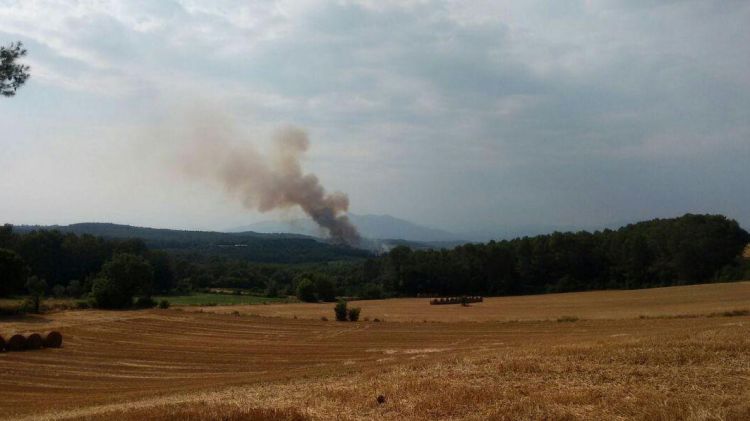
<point x="164" y="304"/>
<point x="353" y="314"/>
<point x="340" y="311"/>
<point x="145" y="302"/>
<point x="567" y="319"/>
<point x="324" y="319"/>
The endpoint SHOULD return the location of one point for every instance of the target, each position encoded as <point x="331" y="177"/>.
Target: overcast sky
<point x="464" y="115"/>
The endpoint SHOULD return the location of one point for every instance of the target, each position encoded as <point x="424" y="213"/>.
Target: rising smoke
<point x="272" y="181"/>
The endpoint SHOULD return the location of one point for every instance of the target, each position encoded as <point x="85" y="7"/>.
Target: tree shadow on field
<point x="25" y="318"/>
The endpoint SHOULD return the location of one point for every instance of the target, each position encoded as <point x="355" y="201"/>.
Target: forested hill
<point x="249" y="246"/>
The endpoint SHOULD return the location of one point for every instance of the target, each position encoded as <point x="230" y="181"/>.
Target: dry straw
<point x="52" y="339"/>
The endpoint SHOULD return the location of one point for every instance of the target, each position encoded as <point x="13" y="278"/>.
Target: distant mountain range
<point x="387" y="227"/>
<point x="377" y="227"/>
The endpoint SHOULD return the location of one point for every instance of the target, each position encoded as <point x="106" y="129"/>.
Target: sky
<point x="462" y="115"/>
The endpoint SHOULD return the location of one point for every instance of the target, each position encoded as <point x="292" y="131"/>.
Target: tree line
<point x="112" y="272"/>
<point x="662" y="252"/>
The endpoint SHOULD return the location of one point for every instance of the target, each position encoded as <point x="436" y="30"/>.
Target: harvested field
<point x="166" y="364"/>
<point x="656" y="302"/>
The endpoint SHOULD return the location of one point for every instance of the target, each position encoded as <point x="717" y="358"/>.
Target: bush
<point x="354" y="314"/>
<point x="164" y="304"/>
<point x="145" y="302"/>
<point x="306" y="291"/>
<point x="340" y="311"/>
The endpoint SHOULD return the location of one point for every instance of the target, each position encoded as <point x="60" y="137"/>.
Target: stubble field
<point x="672" y="353"/>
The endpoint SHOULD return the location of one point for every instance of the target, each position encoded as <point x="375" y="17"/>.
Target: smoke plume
<point x="272" y="181"/>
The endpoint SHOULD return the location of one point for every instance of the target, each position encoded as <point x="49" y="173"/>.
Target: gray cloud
<point x="469" y="115"/>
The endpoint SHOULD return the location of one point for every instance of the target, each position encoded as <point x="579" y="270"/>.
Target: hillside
<point x="250" y="246"/>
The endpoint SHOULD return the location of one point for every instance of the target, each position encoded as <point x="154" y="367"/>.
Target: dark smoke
<point x="272" y="182"/>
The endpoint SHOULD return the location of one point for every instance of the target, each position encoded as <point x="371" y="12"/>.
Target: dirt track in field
<point x="123" y="361"/>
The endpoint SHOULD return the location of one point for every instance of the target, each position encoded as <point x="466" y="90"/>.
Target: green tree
<point x="106" y="294"/>
<point x="325" y="289"/>
<point x="12" y="74"/>
<point x="272" y="289"/>
<point x="121" y="278"/>
<point x="74" y="289"/>
<point x="36" y="288"/>
<point x="58" y="291"/>
<point x="6" y="236"/>
<point x="13" y="272"/>
<point x="306" y="290"/>
<point x="161" y="262"/>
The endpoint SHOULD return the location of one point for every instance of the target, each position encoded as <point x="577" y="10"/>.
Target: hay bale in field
<point x="2" y="343"/>
<point x="52" y="339"/>
<point x="34" y="341"/>
<point x="15" y="343"/>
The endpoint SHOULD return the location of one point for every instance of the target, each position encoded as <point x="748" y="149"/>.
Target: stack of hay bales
<point x="19" y="342"/>
<point x="457" y="300"/>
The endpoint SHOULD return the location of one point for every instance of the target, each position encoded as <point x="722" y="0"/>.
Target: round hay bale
<point x="34" y="341"/>
<point x="52" y="339"/>
<point x="2" y="343"/>
<point x="16" y="343"/>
